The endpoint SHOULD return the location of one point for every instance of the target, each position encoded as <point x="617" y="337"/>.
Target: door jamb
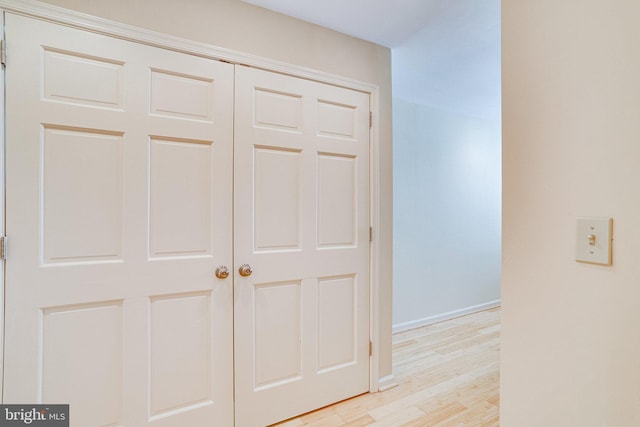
<point x="2" y="202"/>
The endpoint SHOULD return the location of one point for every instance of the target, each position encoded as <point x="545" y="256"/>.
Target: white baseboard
<point x="401" y="327"/>
<point x="385" y="383"/>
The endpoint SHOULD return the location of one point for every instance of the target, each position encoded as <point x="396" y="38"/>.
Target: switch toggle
<point x="594" y="240"/>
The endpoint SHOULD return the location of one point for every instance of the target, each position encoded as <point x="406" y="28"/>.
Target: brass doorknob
<point x="245" y="270"/>
<point x="222" y="272"/>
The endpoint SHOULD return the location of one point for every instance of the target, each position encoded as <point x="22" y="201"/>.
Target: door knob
<point x="245" y="270"/>
<point x="222" y="272"/>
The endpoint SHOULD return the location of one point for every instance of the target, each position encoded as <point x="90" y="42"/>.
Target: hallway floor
<point x="447" y="374"/>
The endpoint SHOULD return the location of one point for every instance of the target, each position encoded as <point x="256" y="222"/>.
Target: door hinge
<point x="3" y="52"/>
<point x="370" y="117"/>
<point x="370" y="234"/>
<point x="370" y="348"/>
<point x="3" y="247"/>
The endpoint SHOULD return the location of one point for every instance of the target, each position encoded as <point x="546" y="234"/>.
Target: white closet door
<point x="119" y="181"/>
<point x="302" y="224"/>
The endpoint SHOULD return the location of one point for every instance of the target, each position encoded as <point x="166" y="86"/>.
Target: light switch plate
<point x="594" y="240"/>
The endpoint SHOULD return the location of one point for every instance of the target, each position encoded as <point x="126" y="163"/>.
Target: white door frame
<point x="2" y="206"/>
<point x="95" y="24"/>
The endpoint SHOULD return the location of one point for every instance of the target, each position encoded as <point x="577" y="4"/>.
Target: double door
<point x="134" y="176"/>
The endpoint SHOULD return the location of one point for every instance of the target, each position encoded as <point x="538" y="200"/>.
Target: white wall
<point x="447" y="171"/>
<point x="236" y="25"/>
<point x="571" y="103"/>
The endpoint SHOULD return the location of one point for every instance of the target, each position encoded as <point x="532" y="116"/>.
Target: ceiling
<point x="446" y="53"/>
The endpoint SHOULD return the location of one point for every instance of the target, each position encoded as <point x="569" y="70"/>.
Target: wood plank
<point x="448" y="375"/>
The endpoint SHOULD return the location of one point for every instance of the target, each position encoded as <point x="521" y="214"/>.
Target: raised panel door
<point x="302" y="223"/>
<point x="119" y="207"/>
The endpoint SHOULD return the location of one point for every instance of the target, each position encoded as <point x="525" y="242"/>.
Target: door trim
<point x="2" y="210"/>
<point x="85" y="22"/>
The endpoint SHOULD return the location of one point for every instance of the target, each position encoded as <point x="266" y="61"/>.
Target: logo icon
<point x="34" y="415"/>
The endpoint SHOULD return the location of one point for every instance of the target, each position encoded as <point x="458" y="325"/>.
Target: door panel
<point x="337" y="200"/>
<point x="119" y="208"/>
<point x="65" y="370"/>
<point x="96" y="180"/>
<point x="277" y="199"/>
<point x="179" y="196"/>
<point x="181" y="347"/>
<point x="302" y="223"/>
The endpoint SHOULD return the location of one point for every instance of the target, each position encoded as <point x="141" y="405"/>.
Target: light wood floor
<point x="448" y="375"/>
